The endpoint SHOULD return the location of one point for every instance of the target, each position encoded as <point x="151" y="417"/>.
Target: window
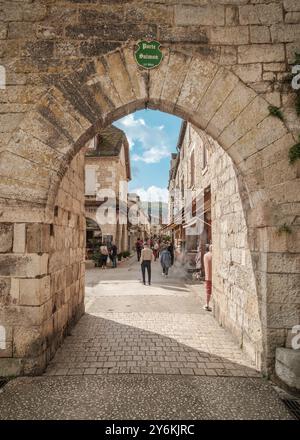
<point x="90" y="180"/>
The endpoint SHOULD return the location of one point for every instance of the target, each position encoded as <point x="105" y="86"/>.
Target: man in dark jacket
<point x="113" y="251"/>
<point x="171" y="250"/>
<point x="138" y="247"/>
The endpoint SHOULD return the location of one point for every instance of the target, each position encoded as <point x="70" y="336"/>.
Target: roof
<point x="109" y="142"/>
<point x="181" y="134"/>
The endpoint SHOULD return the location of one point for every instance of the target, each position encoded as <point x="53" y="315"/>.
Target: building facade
<point x="212" y="213"/>
<point x="138" y="220"/>
<point x="107" y="172"/>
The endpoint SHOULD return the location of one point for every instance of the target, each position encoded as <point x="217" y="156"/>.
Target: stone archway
<point x="44" y="218"/>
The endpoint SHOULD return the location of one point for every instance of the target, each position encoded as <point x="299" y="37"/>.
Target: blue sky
<point x="152" y="137"/>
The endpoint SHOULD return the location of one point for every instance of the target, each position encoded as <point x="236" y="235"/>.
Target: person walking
<point x="156" y="250"/>
<point x="208" y="277"/>
<point x="146" y="260"/>
<point x="113" y="251"/>
<point x="103" y="255"/>
<point x="138" y="248"/>
<point x="165" y="261"/>
<point x="171" y="250"/>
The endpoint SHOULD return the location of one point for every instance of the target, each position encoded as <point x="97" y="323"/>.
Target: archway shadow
<point x="99" y="345"/>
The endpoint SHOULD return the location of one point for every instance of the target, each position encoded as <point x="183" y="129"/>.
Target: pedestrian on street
<point x="103" y="255"/>
<point x="146" y="260"/>
<point x="156" y="250"/>
<point x="171" y="250"/>
<point x="208" y="277"/>
<point x="138" y="247"/>
<point x="113" y="251"/>
<point x="165" y="261"/>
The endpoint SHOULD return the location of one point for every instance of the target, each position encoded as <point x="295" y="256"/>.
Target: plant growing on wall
<point x="294" y="152"/>
<point x="298" y="103"/>
<point x="284" y="229"/>
<point x="294" y="79"/>
<point x="275" y="111"/>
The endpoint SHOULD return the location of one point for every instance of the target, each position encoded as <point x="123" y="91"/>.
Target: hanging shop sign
<point x="148" y="54"/>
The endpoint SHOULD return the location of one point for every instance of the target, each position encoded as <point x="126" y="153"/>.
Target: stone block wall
<point x="70" y="71"/>
<point x="67" y="253"/>
<point x="236" y="303"/>
<point x="255" y="39"/>
<point x="42" y="279"/>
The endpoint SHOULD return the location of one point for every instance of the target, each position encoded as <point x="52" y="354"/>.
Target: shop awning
<point x="194" y="221"/>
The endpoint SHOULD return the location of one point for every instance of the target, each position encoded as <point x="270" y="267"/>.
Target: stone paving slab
<point x="157" y="329"/>
<point x="111" y="346"/>
<point x="137" y="396"/>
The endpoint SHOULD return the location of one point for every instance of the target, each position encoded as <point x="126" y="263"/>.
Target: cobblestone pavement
<point x="157" y="329"/>
<point x="144" y="352"/>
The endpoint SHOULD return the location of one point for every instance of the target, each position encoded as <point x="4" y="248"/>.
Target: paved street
<point x="144" y="352"/>
<point x="157" y="329"/>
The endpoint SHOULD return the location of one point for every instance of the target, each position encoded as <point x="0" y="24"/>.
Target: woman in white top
<point x="103" y="256"/>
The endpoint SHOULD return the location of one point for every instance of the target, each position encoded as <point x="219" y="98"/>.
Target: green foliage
<point x="297" y="59"/>
<point x="126" y="254"/>
<point x="288" y="78"/>
<point x="284" y="229"/>
<point x="96" y="256"/>
<point x="297" y="104"/>
<point x="294" y="152"/>
<point x="120" y="255"/>
<point x="275" y="111"/>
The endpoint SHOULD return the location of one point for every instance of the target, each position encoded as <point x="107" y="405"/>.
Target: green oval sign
<point x="148" y="54"/>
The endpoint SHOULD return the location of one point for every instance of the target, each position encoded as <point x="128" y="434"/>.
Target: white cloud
<point x="153" y="193"/>
<point x="130" y="121"/>
<point x="154" y="142"/>
<point x="153" y="155"/>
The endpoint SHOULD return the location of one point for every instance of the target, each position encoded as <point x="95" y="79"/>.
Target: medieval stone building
<point x="216" y="218"/>
<point x="138" y="221"/>
<point x="107" y="172"/>
<point x="70" y="71"/>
